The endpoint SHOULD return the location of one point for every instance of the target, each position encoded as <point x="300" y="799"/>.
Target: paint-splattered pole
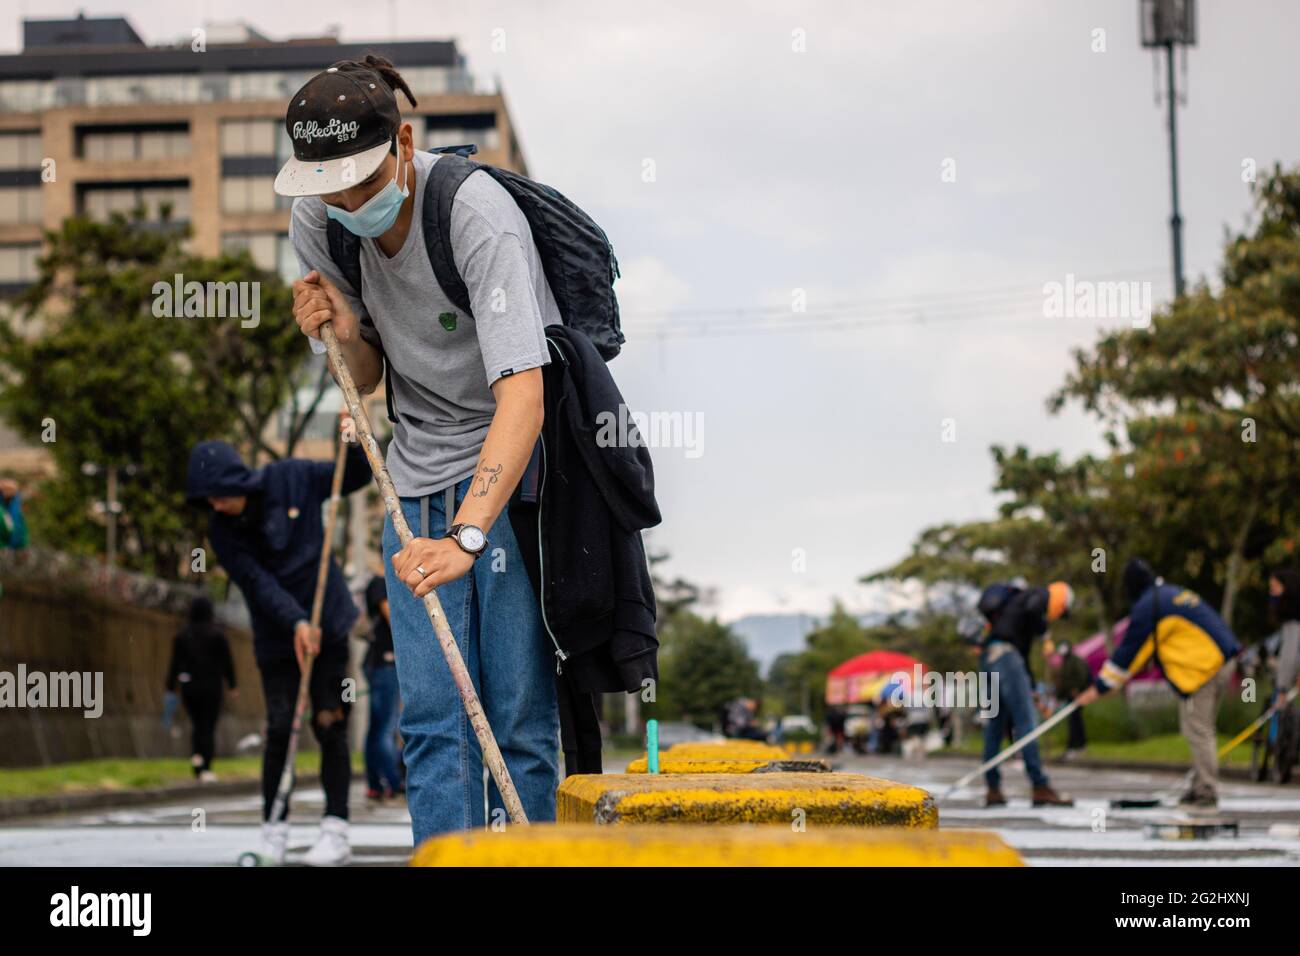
<point x="478" y="720"/>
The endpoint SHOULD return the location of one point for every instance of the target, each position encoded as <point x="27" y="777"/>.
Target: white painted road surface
<point x="1092" y="833"/>
<point x="214" y="832"/>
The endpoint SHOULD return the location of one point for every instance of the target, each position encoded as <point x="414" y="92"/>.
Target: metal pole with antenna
<point x="1167" y="24"/>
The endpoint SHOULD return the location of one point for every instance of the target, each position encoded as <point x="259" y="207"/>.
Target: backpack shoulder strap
<point x="345" y="250"/>
<point x="445" y="179"/>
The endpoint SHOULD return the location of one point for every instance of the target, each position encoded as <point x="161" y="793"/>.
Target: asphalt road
<point x="1091" y="833"/>
<point x="193" y="833"/>
<point x="216" y="831"/>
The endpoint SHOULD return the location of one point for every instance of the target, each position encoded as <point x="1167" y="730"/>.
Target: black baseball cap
<point x="341" y="123"/>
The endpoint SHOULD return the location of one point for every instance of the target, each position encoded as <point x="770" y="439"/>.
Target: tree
<point x="125" y="387"/>
<point x="1204" y="409"/>
<point x="703" y="666"/>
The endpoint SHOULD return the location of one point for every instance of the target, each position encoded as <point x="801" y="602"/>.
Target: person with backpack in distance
<point x="430" y="269"/>
<point x="1016" y="618"/>
<point x="1192" y="646"/>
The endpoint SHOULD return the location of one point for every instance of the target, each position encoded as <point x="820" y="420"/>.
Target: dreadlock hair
<point x="388" y="73"/>
<point x="384" y="67"/>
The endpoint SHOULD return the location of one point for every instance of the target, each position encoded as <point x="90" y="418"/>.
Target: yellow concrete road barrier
<point x="808" y="799"/>
<point x="546" y="844"/>
<point x="670" y="763"/>
<point x="726" y="749"/>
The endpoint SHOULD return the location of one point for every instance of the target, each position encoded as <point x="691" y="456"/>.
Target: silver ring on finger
<point x="420" y="569"/>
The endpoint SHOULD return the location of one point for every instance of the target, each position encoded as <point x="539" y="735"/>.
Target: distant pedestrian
<point x="835" y="721"/>
<point x="1017" y="617"/>
<point x="1192" y="646"/>
<point x="202" y="668"/>
<point x="13" y="526"/>
<point x="1072" y="678"/>
<point x="742" y="720"/>
<point x="383" y="779"/>
<point x="1284" y="610"/>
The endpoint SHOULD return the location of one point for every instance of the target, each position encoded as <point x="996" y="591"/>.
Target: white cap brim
<point x="304" y="178"/>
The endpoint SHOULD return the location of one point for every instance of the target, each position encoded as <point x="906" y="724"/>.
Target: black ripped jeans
<point x="280" y="688"/>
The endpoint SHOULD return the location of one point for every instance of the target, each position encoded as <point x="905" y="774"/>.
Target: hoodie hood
<point x="217" y="471"/>
<point x="1286" y="606"/>
<point x="201" y="610"/>
<point x="1138" y="576"/>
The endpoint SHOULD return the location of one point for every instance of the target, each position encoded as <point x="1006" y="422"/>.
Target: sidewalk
<point x="13" y="808"/>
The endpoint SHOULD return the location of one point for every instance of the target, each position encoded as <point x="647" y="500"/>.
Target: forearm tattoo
<point x="485" y="479"/>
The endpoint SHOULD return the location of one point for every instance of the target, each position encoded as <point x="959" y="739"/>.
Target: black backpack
<point x="576" y="254"/>
<point x="994" y="598"/>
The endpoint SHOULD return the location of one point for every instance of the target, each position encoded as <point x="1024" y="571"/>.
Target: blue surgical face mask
<point x="377" y="214"/>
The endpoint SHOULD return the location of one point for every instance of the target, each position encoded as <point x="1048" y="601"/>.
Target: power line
<point x="987" y="304"/>
<point x="1022" y="288"/>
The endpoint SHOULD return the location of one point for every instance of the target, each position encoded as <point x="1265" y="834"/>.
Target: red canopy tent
<point x="852" y="681"/>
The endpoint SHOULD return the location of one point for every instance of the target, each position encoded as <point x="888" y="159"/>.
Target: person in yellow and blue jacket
<point x="1191" y="645"/>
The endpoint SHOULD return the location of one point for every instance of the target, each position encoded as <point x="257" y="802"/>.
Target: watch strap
<point x="455" y="530"/>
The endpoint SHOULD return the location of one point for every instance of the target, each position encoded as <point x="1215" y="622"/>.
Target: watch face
<point x="471" y="538"/>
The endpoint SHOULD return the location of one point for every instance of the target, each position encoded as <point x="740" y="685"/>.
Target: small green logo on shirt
<point x="448" y="320"/>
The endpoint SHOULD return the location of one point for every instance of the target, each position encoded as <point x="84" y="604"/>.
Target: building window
<point x="26" y="96"/>
<point x="101" y="201"/>
<point x="20" y="205"/>
<point x="249" y="137"/>
<point x="111" y="90"/>
<point x="271" y="251"/>
<point x="458" y="129"/>
<point x="245" y="194"/>
<point x="18" y="266"/>
<point x="106" y="144"/>
<point x="20" y="150"/>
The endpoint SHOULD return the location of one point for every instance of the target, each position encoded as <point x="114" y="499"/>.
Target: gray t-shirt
<point x="441" y="363"/>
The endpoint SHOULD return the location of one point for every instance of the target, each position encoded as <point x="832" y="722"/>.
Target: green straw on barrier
<point x="652" y="745"/>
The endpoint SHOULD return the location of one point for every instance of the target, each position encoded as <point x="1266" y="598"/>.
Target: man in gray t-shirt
<point x="467" y="392"/>
<point x="441" y="364"/>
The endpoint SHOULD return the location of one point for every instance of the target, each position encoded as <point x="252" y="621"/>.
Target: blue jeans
<point x="497" y="623"/>
<point x="1015" y="708"/>
<point x="381" y="744"/>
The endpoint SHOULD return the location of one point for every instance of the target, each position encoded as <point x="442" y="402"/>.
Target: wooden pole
<point x="451" y="651"/>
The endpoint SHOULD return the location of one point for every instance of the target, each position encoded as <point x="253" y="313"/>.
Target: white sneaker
<point x="207" y="776"/>
<point x="275" y="840"/>
<point x="331" y="847"/>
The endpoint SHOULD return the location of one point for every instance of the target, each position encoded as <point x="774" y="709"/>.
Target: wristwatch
<point x="470" y="537"/>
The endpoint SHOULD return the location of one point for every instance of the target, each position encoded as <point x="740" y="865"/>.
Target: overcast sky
<point x="823" y="170"/>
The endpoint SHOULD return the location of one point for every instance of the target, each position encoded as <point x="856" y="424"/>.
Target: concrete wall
<point x="50" y="629"/>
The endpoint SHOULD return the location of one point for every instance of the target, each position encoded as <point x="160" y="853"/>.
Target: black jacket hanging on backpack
<point x="588" y="566"/>
<point x="576" y="255"/>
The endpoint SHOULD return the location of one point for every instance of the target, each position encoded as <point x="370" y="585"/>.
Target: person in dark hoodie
<point x="266" y="529"/>
<point x="200" y="666"/>
<point x="1192" y="646"/>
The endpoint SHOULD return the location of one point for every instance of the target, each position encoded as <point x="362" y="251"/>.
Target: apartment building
<point x="196" y="126"/>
